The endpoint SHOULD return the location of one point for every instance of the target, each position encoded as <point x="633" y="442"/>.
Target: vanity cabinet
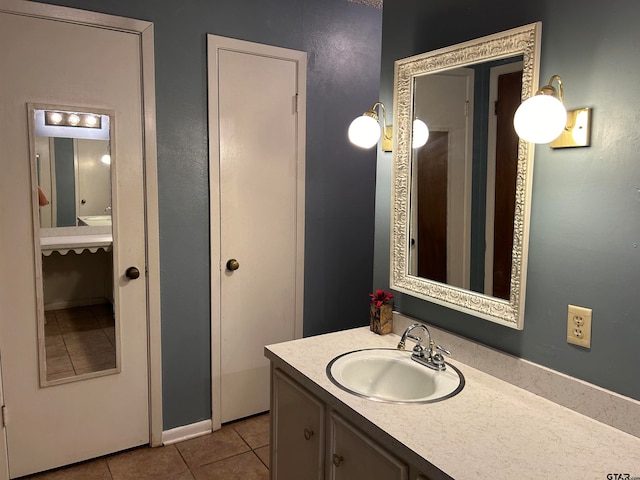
<point x="310" y="440"/>
<point x="353" y="455"/>
<point x="297" y="431"/>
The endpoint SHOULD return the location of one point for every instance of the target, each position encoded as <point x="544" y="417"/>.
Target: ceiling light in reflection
<point x="56" y="118"/>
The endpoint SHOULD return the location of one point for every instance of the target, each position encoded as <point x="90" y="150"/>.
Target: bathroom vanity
<point x="491" y="429"/>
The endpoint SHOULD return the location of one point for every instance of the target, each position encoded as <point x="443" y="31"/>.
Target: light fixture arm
<point x="372" y="113"/>
<point x="548" y="89"/>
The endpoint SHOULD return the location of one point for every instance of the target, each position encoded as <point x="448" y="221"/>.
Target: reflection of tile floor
<point x="79" y="340"/>
<point x="240" y="450"/>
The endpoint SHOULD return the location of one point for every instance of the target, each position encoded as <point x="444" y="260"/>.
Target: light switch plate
<point x="579" y="326"/>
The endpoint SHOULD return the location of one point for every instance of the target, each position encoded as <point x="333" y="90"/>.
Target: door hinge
<point x="4" y="416"/>
<point x="295" y="103"/>
<point x="466" y="108"/>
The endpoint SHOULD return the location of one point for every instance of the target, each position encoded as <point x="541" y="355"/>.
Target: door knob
<point x="233" y="264"/>
<point x="132" y="273"/>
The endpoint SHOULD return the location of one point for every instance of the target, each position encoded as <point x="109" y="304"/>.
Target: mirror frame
<point x="523" y="41"/>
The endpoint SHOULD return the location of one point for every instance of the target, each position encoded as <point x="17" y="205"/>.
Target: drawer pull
<point x="308" y="434"/>
<point x="337" y="459"/>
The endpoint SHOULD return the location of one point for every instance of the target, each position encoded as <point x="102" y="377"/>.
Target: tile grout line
<point x="253" y="450"/>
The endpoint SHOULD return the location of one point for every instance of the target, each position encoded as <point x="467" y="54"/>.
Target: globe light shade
<point x="364" y="131"/>
<point x="540" y="119"/>
<point x="106" y="159"/>
<point x="420" y="133"/>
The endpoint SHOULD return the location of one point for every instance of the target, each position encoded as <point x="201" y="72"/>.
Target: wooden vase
<point x="381" y="319"/>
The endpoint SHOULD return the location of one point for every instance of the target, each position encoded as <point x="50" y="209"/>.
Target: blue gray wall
<point x="585" y="221"/>
<point x="342" y="40"/>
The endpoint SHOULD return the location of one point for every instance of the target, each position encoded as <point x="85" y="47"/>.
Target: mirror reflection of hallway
<point x="506" y="172"/>
<point x="79" y="340"/>
<point x="79" y="332"/>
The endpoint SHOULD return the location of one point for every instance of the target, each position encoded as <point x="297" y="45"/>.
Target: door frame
<point x="215" y="44"/>
<point x="144" y="30"/>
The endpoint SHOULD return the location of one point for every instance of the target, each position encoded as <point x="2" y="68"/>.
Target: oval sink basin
<point x="389" y="375"/>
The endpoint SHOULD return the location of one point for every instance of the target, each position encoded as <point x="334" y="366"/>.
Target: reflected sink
<point x="389" y="375"/>
<point x="95" y="221"/>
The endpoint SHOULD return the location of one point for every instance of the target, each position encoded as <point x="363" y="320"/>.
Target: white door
<point x="57" y="422"/>
<point x="257" y="96"/>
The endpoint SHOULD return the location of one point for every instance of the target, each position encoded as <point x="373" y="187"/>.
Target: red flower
<point x="380" y="297"/>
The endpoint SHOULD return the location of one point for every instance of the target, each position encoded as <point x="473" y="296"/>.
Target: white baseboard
<point x="186" y="432"/>
<point x="83" y="302"/>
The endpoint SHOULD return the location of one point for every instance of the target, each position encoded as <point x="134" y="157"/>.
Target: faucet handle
<point x="443" y="350"/>
<point x="437" y="358"/>
<point x="418" y="350"/>
<point x="416" y="339"/>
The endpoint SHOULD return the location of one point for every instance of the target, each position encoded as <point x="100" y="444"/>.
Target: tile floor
<point x="240" y="450"/>
<point x="79" y="340"/>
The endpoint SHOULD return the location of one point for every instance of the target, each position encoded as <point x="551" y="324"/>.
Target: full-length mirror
<point x="71" y="170"/>
<point x="461" y="201"/>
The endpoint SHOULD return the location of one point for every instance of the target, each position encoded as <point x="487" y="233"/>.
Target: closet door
<point x="53" y="420"/>
<point x="256" y="118"/>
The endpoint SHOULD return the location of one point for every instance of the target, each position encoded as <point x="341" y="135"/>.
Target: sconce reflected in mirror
<point x="420" y="133"/>
<point x="364" y="130"/>
<point x="543" y="118"/>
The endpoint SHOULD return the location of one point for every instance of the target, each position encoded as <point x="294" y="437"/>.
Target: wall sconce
<point x="364" y="131"/>
<point x="543" y="118"/>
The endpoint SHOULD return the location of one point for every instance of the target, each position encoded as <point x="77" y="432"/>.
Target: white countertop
<point x="490" y="430"/>
<point x="77" y="243"/>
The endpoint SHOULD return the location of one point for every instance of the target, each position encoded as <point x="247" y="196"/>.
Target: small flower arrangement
<point x="380" y="297"/>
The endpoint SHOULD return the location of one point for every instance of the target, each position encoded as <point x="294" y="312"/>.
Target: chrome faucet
<point x="424" y="355"/>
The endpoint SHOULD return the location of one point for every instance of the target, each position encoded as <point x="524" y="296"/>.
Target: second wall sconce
<point x="364" y="131"/>
<point x="543" y="118"/>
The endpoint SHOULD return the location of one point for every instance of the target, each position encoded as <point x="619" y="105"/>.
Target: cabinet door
<point x="297" y="444"/>
<point x="354" y="456"/>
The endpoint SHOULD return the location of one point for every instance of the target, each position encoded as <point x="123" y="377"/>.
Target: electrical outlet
<point x="579" y="326"/>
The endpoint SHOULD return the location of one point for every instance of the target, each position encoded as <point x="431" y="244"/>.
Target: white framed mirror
<point x="461" y="203"/>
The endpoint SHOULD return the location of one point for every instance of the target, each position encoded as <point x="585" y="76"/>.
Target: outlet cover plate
<point x="579" y="326"/>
